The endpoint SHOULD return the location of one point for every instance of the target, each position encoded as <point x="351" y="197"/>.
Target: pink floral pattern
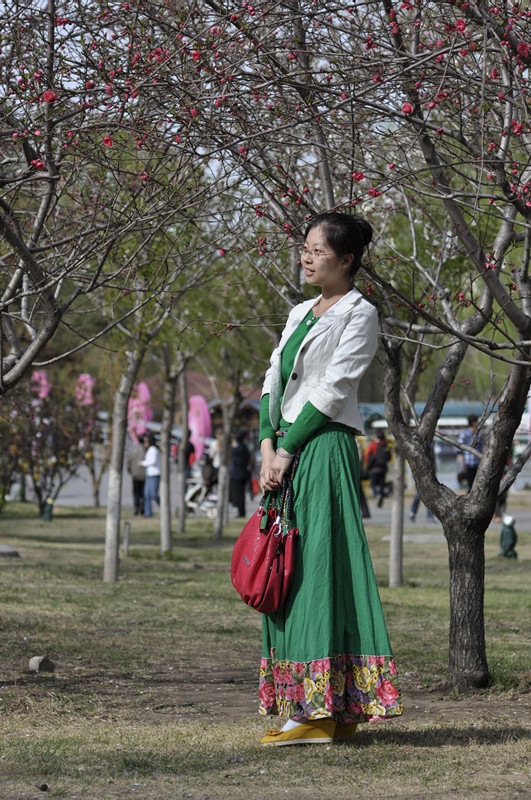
<point x="348" y="688"/>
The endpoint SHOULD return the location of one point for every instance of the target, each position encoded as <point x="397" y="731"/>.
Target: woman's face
<point x="322" y="267"/>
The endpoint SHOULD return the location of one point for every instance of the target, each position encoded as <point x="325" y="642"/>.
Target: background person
<point x="138" y="474"/>
<point x="468" y="462"/>
<point x="326" y="661"/>
<point x="377" y="463"/>
<point x="151" y="462"/>
<point x="240" y="472"/>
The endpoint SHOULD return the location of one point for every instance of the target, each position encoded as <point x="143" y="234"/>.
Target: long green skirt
<point x="326" y="653"/>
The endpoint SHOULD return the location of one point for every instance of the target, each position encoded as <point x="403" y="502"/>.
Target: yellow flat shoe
<point x="345" y="731"/>
<point x="318" y="731"/>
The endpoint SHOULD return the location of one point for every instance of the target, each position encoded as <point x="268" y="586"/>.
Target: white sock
<point x="291" y="723"/>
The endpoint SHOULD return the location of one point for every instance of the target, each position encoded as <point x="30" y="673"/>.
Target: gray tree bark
<point x="397" y="522"/>
<point x="181" y="458"/>
<point x="114" y="495"/>
<point x="229" y="412"/>
<point x="168" y="407"/>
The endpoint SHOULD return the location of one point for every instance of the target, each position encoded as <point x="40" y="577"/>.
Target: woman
<point x="151" y="463"/>
<point x="327" y="663"/>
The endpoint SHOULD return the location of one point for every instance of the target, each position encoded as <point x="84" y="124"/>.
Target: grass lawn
<point x="154" y="694"/>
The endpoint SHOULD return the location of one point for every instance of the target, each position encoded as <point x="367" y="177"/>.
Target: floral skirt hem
<point x="348" y="688"/>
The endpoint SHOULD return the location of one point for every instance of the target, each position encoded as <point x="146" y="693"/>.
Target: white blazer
<point x="329" y="363"/>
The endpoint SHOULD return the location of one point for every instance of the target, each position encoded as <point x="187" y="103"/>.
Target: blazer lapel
<point x="328" y="319"/>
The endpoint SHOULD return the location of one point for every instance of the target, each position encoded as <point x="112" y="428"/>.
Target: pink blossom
<point x="48" y="96"/>
<point x="40" y="383"/>
<point x="139" y="410"/>
<point x="358" y="176"/>
<point x="222" y="251"/>
<point x="407" y="108"/>
<point x="196" y="55"/>
<point x="193" y="112"/>
<point x="107" y="141"/>
<point x="460" y="25"/>
<point x="84" y="386"/>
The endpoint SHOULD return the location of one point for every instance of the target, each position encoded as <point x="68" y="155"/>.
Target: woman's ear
<point x="348" y="261"/>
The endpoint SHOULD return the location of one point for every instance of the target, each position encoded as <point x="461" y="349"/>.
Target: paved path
<point x="520" y="509"/>
<point x="79" y="492"/>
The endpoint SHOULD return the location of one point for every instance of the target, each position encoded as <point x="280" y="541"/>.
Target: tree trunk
<point x="95" y="481"/>
<point x="229" y="412"/>
<point x="397" y="522"/>
<point x="114" y="495"/>
<point x="168" y="407"/>
<point x="181" y="460"/>
<point x="467" y="665"/>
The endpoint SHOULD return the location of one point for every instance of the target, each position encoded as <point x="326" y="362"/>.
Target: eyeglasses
<point x="314" y="253"/>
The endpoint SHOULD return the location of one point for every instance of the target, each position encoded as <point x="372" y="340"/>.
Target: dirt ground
<point x="166" y="691"/>
<point x="164" y="694"/>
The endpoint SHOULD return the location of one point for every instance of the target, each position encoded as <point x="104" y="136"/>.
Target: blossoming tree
<point x="415" y="115"/>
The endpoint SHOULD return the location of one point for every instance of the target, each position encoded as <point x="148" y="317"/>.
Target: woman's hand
<point x="273" y="467"/>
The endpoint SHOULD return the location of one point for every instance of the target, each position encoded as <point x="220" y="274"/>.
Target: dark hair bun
<point x="366" y="229"/>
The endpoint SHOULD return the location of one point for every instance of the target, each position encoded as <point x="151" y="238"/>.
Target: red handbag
<point x="263" y="558"/>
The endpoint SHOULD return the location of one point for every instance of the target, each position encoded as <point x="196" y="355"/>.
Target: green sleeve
<point x="307" y="423"/>
<point x="266" y="429"/>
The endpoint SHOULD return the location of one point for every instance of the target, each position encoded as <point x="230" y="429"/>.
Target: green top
<point x="310" y="418"/>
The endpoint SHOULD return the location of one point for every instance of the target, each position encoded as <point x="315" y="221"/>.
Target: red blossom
<point x="107" y="141"/>
<point x="407" y="108"/>
<point x="49" y="96"/>
<point x="358" y="176"/>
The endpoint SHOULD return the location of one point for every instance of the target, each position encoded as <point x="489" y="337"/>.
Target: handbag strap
<point x="283" y="497"/>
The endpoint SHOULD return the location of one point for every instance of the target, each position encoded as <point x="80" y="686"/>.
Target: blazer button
<point x="294" y="376"/>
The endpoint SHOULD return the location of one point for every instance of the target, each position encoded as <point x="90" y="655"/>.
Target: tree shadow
<point x="439" y="737"/>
